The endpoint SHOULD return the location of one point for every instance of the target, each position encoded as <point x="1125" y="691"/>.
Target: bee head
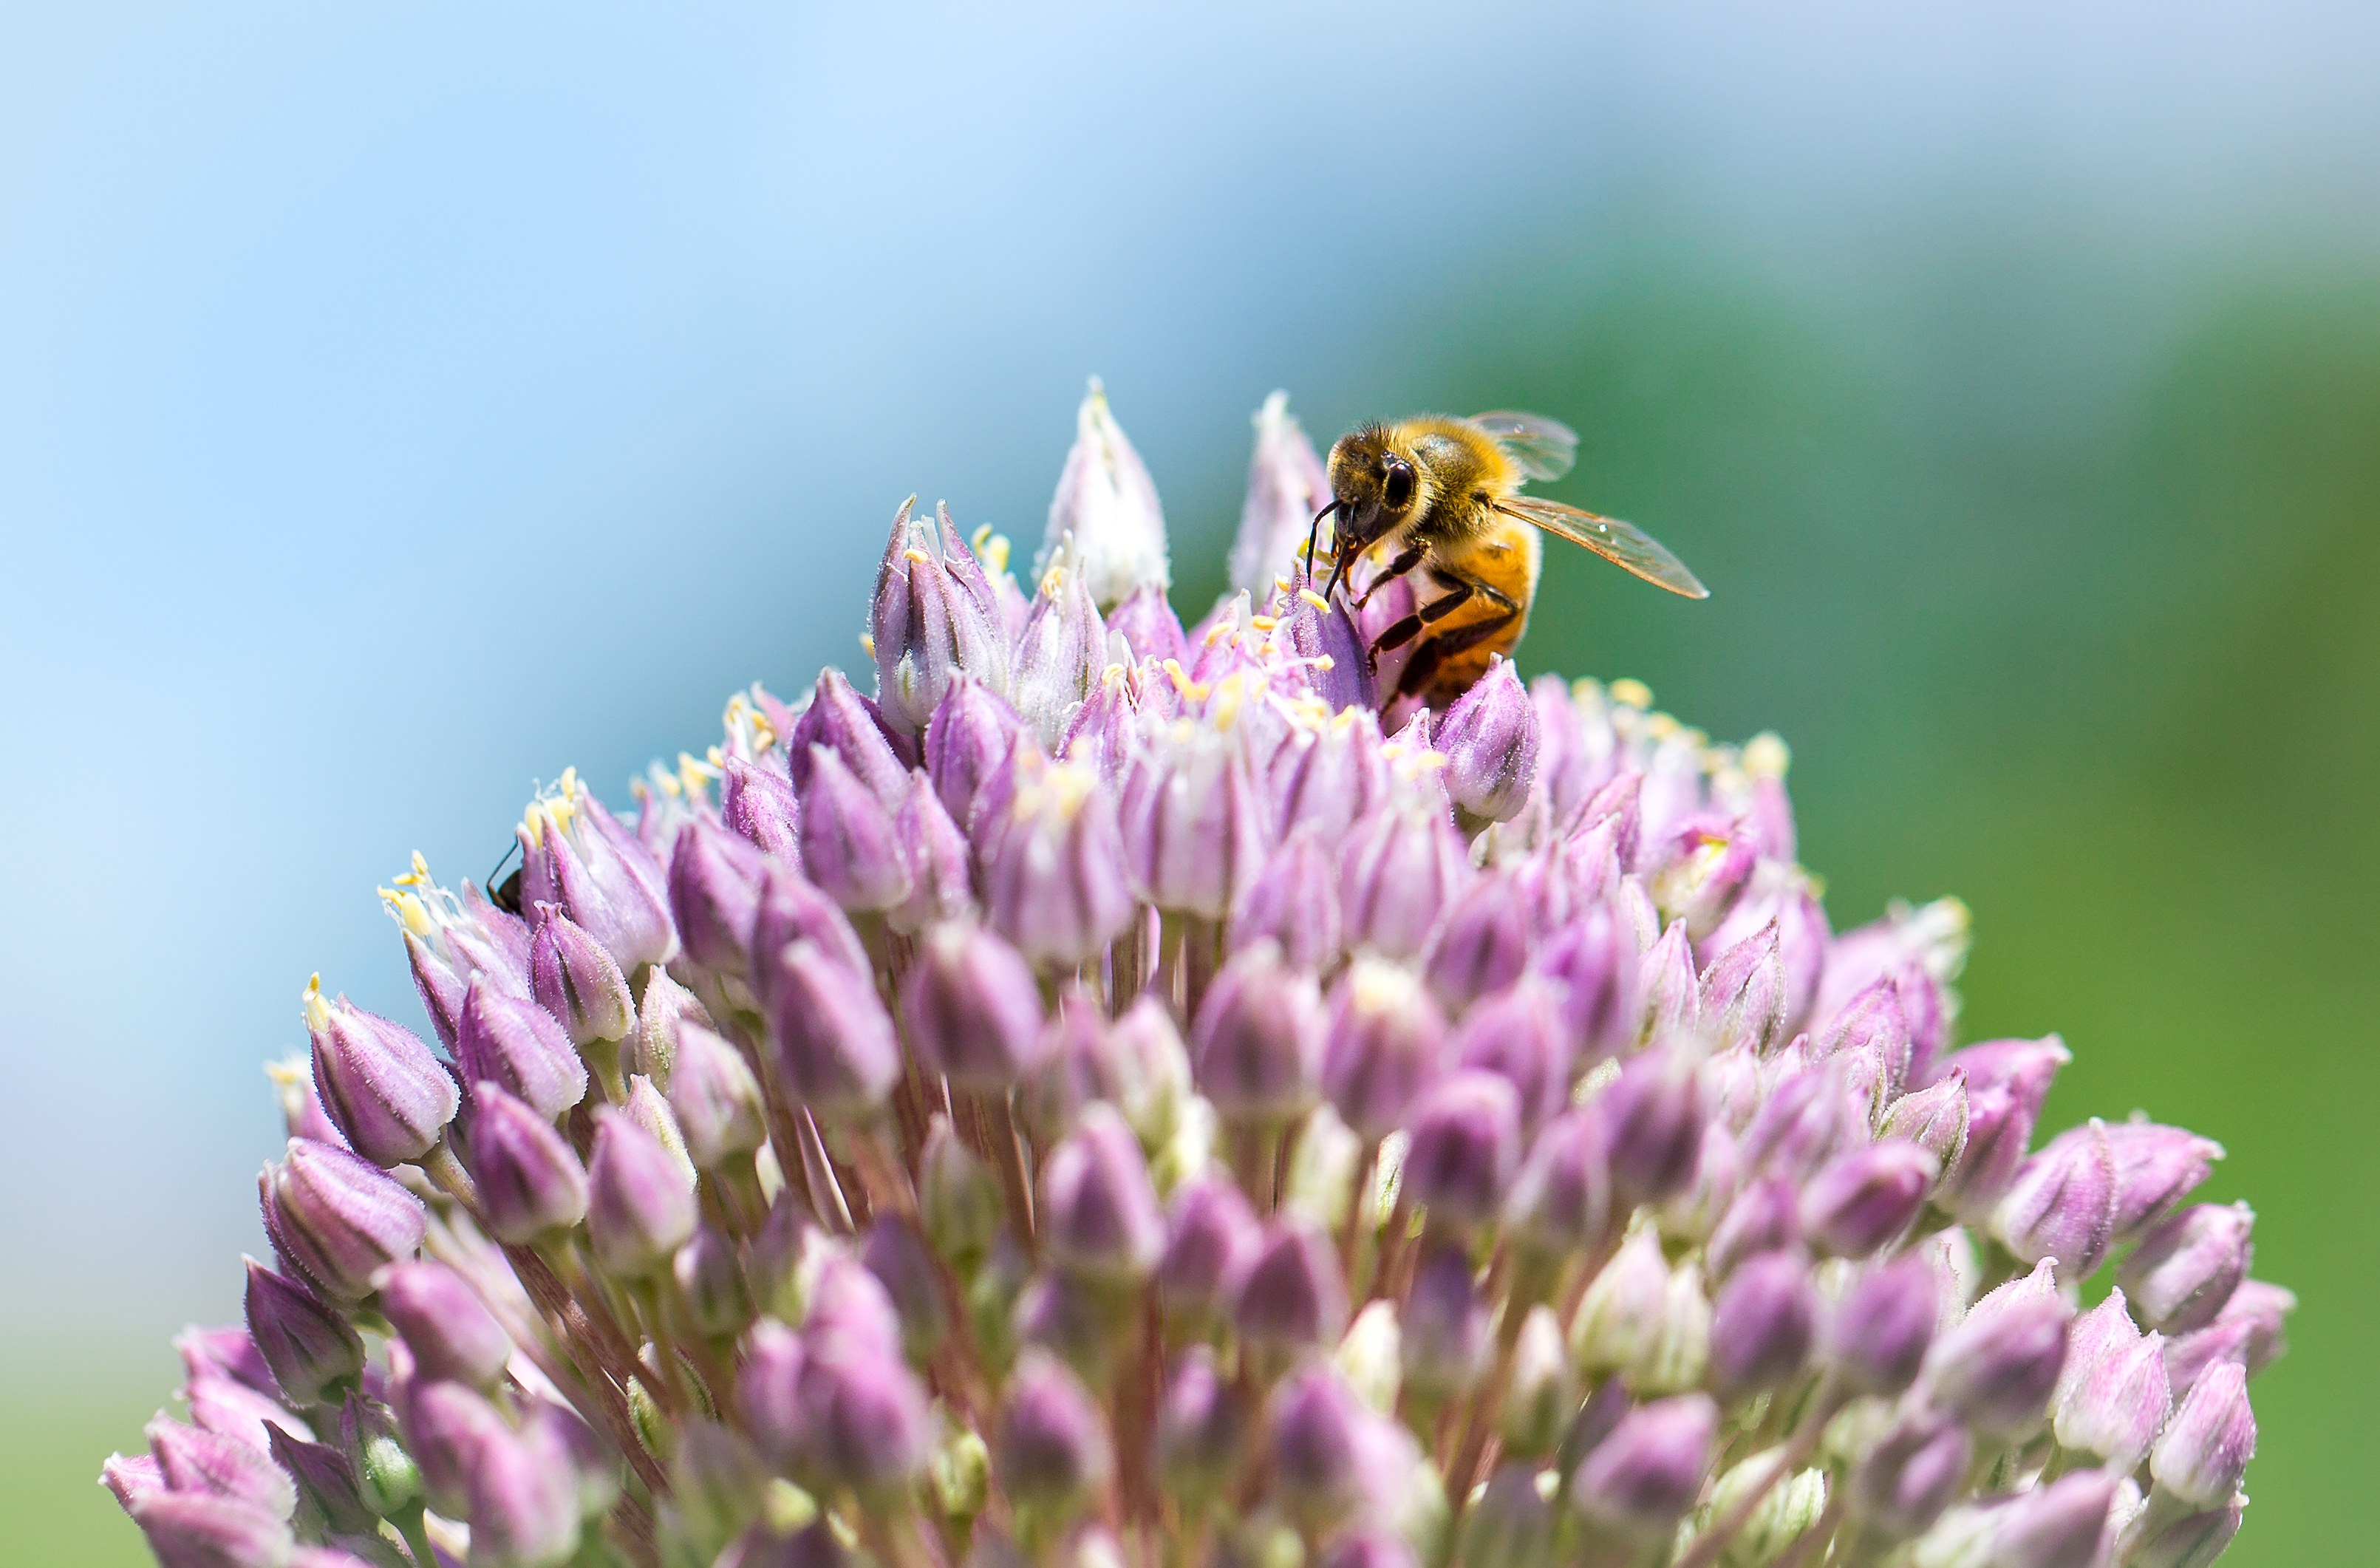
<point x="1374" y="485"/>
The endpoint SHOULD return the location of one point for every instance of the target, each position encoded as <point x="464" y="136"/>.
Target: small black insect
<point x="505" y="895"/>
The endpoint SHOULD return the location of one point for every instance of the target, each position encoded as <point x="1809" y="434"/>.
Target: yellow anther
<point x="1263" y="623"/>
<point x="1314" y="599"/>
<point x="990" y="548"/>
<point x="318" y="1012"/>
<point x="1324" y="662"/>
<point x="418" y="876"/>
<point x="1765" y="756"/>
<point x="1633" y="693"/>
<point x="917" y="556"/>
<point x="867" y="645"/>
<point x="1661" y="726"/>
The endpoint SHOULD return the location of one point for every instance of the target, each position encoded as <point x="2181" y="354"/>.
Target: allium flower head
<point x="1114" y="1095"/>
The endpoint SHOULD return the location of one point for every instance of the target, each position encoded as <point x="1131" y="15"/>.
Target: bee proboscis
<point x="1442" y="497"/>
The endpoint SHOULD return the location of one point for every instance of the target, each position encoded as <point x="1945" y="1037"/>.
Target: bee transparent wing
<point x="1623" y="544"/>
<point x="1545" y="448"/>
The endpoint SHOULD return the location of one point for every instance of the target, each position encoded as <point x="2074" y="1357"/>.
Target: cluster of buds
<point x="1110" y="1098"/>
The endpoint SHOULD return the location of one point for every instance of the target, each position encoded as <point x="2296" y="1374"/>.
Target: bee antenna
<point x="510" y="850"/>
<point x="1315" y="533"/>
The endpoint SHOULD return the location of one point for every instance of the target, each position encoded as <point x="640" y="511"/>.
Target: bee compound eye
<point x="1399" y="486"/>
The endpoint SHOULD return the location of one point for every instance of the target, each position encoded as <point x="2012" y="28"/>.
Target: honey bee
<point x="1442" y="497"/>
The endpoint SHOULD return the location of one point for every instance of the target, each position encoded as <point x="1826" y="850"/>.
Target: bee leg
<point x="1423" y="667"/>
<point x="1458" y="594"/>
<point x="1397" y="568"/>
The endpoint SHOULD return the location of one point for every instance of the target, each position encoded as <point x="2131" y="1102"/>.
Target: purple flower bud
<point x="1105" y="731"/>
<point x="1107" y="505"/>
<point x="851" y="726"/>
<point x="132" y="1480"/>
<point x="1998" y="1368"/>
<point x="2007" y="1081"/>
<point x="1445" y="1327"/>
<point x="901" y="1264"/>
<point x="1619" y="1319"/>
<point x="1201" y="1425"/>
<point x="2155" y="1168"/>
<point x="1807" y="1119"/>
<point x="768" y="1388"/>
<point x="202" y="1530"/>
<point x="1293" y="1294"/>
<point x="851" y="1309"/>
<point x="1878" y="1334"/>
<point x="1401" y="866"/>
<point x="2118" y="1401"/>
<point x="1490" y="737"/>
<point x="1666" y="979"/>
<point x="1909" y="1478"/>
<point x="836" y="1050"/>
<point x="445" y="1427"/>
<point x="1287" y="484"/>
<point x="1193" y="820"/>
<point x="711" y="1278"/>
<point x="327" y="1498"/>
<point x="1059" y="654"/>
<point x="1643" y="1477"/>
<point x="312" y="1351"/>
<point x="1871" y="1023"/>
<point x="2187" y="1356"/>
<point x="302" y="1115"/>
<point x="927" y="622"/>
<point x="1933" y="936"/>
<point x="529" y="1180"/>
<point x="575" y="856"/>
<point x="1466" y="1139"/>
<point x="714" y="888"/>
<point x="1384" y="1039"/>
<point x="1483" y="944"/>
<point x="862" y="1420"/>
<point x="640" y="1202"/>
<point x="792" y="910"/>
<point x="968" y="739"/>
<point x="1255" y="1046"/>
<point x="2184" y="1272"/>
<point x="1211" y="1242"/>
<point x="1052" y="1450"/>
<point x="716" y="1099"/>
<point x="236" y="1410"/>
<point x="2159" y="1538"/>
<point x="1865" y="1199"/>
<point x="227" y="1351"/>
<point x="2207" y="1446"/>
<point x="338" y="1219"/>
<point x="1743" y="996"/>
<point x="388" y="1096"/>
<point x="1762" y="1325"/>
<point x="1652" y="1118"/>
<point x="1099" y="1214"/>
<point x="2264" y="1309"/>
<point x="523" y="1509"/>
<point x="1328" y="776"/>
<point x="577" y="981"/>
<point x="1517" y="1036"/>
<point x="520" y="1046"/>
<point x="758" y="808"/>
<point x="959" y="1201"/>
<point x="2062" y="1204"/>
<point x="849" y="848"/>
<point x="1934" y="1119"/>
<point x="1560" y="1199"/>
<point x="1318" y="1447"/>
<point x="190" y="1459"/>
<point x="1511" y="1523"/>
<point x="972" y="1009"/>
<point x="1764" y="1216"/>
<point x="940" y="861"/>
<point x="443" y="1323"/>
<point x="1709" y="865"/>
<point x="1055" y="884"/>
<point x="2057" y="1525"/>
<point x="449" y="939"/>
<point x="1149" y="628"/>
<point x="1593" y="963"/>
<point x="1294" y="900"/>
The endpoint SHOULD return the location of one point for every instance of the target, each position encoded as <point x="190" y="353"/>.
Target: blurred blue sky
<point x="397" y="408"/>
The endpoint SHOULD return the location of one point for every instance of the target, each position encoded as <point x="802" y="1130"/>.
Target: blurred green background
<point x="391" y="414"/>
